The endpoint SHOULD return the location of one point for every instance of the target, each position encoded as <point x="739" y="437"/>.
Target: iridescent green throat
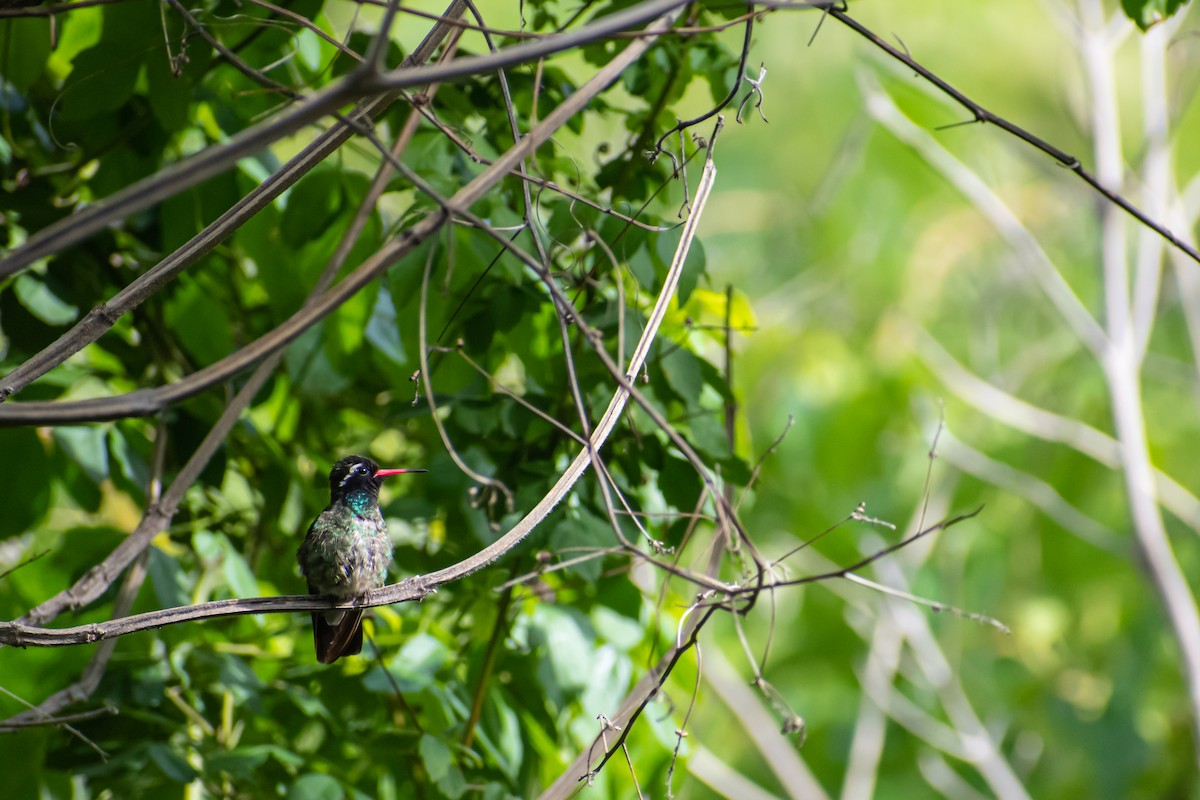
<point x="360" y="503"/>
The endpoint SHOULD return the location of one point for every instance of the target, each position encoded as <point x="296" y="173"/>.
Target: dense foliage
<point x="495" y="684"/>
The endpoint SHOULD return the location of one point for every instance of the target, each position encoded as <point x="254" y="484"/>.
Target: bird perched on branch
<point x="346" y="553"/>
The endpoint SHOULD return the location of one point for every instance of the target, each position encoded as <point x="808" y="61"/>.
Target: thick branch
<point x="416" y="588"/>
<point x="362" y="83"/>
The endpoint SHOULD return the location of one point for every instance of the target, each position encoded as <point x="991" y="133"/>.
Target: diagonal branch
<point x="101" y="319"/>
<point x="361" y="83"/>
<point x="19" y="633"/>
<point x="837" y="10"/>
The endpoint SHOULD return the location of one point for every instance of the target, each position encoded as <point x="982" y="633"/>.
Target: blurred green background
<point x="899" y="280"/>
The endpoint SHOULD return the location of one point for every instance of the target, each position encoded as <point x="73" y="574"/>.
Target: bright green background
<point x="843" y="247"/>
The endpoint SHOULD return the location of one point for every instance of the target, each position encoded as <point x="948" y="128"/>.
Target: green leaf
<point x="316" y="787"/>
<point x="28" y="48"/>
<point x="87" y="448"/>
<point x="43" y="303"/>
<point x="383" y="329"/>
<point x="102" y="80"/>
<point x="693" y="267"/>
<point x="173" y="765"/>
<point x="436" y="756"/>
<point x="679" y="483"/>
<point x="453" y="784"/>
<point x="682" y="371"/>
<point x="171" y="584"/>
<point x="414" y="668"/>
<point x="236" y="571"/>
<point x="312" y="205"/>
<point x="565" y="645"/>
<point x="197" y="319"/>
<point x="170" y="94"/>
<point x="582" y="530"/>
<point x="1150" y="12"/>
<point x="25" y="490"/>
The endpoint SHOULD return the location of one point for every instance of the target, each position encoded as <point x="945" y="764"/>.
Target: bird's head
<point x="355" y="474"/>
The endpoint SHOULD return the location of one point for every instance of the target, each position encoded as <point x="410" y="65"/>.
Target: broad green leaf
<point x="87" y="447"/>
<point x="682" y="371"/>
<point x="383" y="329"/>
<point x="37" y="297"/>
<point x="436" y="756"/>
<point x="415" y="667"/>
<point x="577" y="533"/>
<point x="565" y="646"/>
<point x="25" y="490"/>
<point x="172" y="586"/>
<point x="316" y="787"/>
<point x="1150" y="12"/>
<point x="102" y="80"/>
<point x="173" y="765"/>
<point x="195" y="314"/>
<point x="312" y="205"/>
<point x="27" y="48"/>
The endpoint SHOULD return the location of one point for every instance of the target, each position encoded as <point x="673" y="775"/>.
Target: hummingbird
<point x="346" y="553"/>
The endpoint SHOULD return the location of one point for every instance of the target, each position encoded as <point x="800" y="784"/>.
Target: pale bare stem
<point x="632" y="773"/>
<point x="1016" y="413"/>
<point x="106" y="711"/>
<point x="1157" y="181"/>
<point x="936" y="606"/>
<point x="967" y="739"/>
<point x="870" y="727"/>
<point x="434" y="414"/>
<point x="789" y="722"/>
<point x="681" y="731"/>
<point x="761" y="729"/>
<point x="599" y="552"/>
<point x="974" y="741"/>
<point x="1035" y="491"/>
<point x="1187" y="275"/>
<point x="1121" y="363"/>
<point x="933" y="456"/>
<point x="706" y="767"/>
<point x="812" y="540"/>
<point x="944" y="779"/>
<point x="1096" y="50"/>
<point x="1036" y="263"/>
<point x="1117" y="28"/>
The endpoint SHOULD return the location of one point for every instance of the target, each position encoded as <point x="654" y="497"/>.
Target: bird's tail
<point x="341" y="637"/>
